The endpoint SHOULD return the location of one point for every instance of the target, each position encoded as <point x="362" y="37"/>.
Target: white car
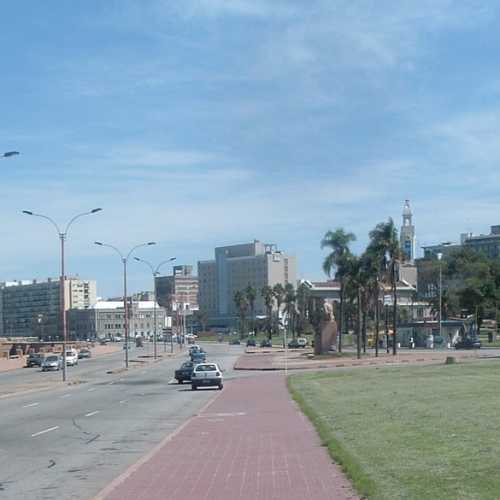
<point x="71" y="357"/>
<point x="206" y="375"/>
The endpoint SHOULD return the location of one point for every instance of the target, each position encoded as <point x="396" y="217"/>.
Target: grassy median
<point x="425" y="432"/>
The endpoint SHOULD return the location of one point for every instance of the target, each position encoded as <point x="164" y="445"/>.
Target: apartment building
<point x="180" y="290"/>
<point x="237" y="266"/>
<point x="31" y="308"/>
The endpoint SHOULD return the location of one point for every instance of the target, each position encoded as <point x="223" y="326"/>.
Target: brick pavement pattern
<point x="251" y="443"/>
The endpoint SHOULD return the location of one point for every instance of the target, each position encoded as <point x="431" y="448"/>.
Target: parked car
<point x="297" y="343"/>
<point x="52" y="362"/>
<point x="251" y="343"/>
<point x="265" y="343"/>
<point x="302" y="341"/>
<point x="234" y="342"/>
<point x="184" y="372"/>
<point x="34" y="359"/>
<point x="206" y="375"/>
<point x="84" y="353"/>
<point x="118" y="338"/>
<point x="71" y="357"/>
<point x="468" y="343"/>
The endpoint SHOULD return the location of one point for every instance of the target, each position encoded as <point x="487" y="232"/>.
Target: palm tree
<point x="290" y="298"/>
<point x="302" y="301"/>
<point x="202" y="318"/>
<point x="268" y="296"/>
<point x="251" y="295"/>
<point x="338" y="241"/>
<point x="241" y="304"/>
<point x="279" y="295"/>
<point x="385" y="244"/>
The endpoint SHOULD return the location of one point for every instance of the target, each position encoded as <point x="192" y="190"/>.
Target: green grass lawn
<point x="426" y="432"/>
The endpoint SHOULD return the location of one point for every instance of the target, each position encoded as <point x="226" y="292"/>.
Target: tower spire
<point x="407" y="235"/>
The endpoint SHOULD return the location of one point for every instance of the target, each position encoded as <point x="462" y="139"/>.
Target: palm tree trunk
<point x="341" y="318"/>
<point x="364" y="330"/>
<point x="359" y="327"/>
<point x="394" y="310"/>
<point x="377" y="320"/>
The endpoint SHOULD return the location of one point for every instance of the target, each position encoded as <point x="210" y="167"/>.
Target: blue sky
<point x="199" y="123"/>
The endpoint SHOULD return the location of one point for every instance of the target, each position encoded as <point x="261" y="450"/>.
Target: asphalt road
<point x="70" y="442"/>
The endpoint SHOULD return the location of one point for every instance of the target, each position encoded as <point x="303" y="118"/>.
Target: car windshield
<point x="187" y="365"/>
<point x="69" y="353"/>
<point x="206" y="368"/>
<point x="52" y="358"/>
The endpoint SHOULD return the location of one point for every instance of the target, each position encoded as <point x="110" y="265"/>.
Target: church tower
<point x="407" y="235"/>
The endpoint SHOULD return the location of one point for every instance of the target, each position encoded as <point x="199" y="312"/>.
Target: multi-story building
<point x="487" y="244"/>
<point x="32" y="308"/>
<point x="234" y="268"/>
<point x="179" y="290"/>
<point x="107" y="319"/>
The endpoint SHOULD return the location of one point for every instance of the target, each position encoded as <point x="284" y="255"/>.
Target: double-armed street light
<point x="124" y="259"/>
<point x="155" y="272"/>
<point x="62" y="301"/>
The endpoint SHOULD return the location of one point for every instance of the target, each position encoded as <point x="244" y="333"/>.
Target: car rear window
<point x="52" y="358"/>
<point x="206" y="368"/>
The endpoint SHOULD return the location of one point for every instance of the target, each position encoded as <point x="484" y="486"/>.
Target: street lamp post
<point x="155" y="272"/>
<point x="62" y="302"/>
<point x="440" y="257"/>
<point x="124" y="260"/>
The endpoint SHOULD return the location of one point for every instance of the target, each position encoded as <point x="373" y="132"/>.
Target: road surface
<point x="71" y="441"/>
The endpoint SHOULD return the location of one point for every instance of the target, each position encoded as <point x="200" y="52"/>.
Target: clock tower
<point x="407" y="235"/>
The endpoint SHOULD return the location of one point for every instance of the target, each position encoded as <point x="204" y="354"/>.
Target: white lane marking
<point x="65" y="396"/>
<point x="30" y="405"/>
<point x="91" y="389"/>
<point x="123" y="401"/>
<point x="45" y="431"/>
<point x="92" y="413"/>
<point x="111" y="383"/>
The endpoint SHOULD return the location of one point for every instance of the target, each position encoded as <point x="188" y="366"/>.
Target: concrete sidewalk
<point x="250" y="443"/>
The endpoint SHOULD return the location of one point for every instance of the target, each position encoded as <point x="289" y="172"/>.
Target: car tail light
<point x="217" y="374"/>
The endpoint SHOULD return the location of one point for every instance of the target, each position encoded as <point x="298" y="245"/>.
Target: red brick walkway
<point x="251" y="443"/>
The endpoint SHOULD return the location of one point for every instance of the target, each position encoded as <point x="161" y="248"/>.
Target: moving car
<point x="251" y="343"/>
<point x="34" y="359"/>
<point x="198" y="356"/>
<point x="468" y="343"/>
<point x="184" y="372"/>
<point x="206" y="375"/>
<point x="52" y="362"/>
<point x="265" y="343"/>
<point x="84" y="353"/>
<point x="71" y="357"/>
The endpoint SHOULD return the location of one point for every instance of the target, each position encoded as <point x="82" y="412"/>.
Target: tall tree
<point x="241" y="304"/>
<point x="290" y="299"/>
<point x="202" y="318"/>
<point x="268" y="296"/>
<point x="385" y="243"/>
<point x="251" y="295"/>
<point x="303" y="293"/>
<point x="279" y="295"/>
<point x="338" y="242"/>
